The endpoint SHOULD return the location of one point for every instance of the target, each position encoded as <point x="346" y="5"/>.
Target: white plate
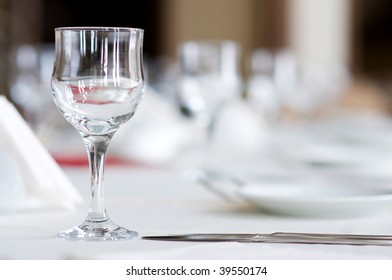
<point x="318" y="201"/>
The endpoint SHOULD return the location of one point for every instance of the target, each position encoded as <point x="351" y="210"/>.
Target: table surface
<point x="159" y="201"/>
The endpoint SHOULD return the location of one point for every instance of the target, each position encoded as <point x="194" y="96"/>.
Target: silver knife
<point x="281" y="237"/>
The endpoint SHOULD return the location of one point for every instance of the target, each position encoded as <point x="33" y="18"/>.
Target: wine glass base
<point x="102" y="231"/>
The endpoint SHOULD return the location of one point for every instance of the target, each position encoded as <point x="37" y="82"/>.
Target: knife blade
<point x="281" y="237"/>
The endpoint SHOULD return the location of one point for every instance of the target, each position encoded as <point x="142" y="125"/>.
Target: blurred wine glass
<point x="309" y="87"/>
<point x="31" y="67"/>
<point x="209" y="77"/>
<point x="281" y="85"/>
<point x="292" y="96"/>
<point x="262" y="93"/>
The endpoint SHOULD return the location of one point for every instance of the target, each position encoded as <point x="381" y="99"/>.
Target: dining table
<point x="168" y="198"/>
<point x="162" y="201"/>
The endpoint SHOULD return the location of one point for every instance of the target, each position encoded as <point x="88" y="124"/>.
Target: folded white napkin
<point x="156" y="134"/>
<point x="239" y="134"/>
<point x="13" y="193"/>
<point x="36" y="176"/>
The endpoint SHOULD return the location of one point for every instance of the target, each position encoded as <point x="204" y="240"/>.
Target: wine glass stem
<point x="97" y="146"/>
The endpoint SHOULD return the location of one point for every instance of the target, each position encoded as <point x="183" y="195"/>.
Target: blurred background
<point x="330" y="53"/>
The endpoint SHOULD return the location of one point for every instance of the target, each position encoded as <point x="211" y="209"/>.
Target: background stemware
<point x="209" y="78"/>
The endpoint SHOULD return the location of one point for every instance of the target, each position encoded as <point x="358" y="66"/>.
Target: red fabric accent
<point x="82" y="160"/>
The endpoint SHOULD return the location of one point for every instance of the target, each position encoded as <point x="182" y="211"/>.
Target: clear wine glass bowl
<point x="209" y="77"/>
<point x="97" y="84"/>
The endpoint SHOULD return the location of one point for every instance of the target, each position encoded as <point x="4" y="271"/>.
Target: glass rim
<point x="98" y="28"/>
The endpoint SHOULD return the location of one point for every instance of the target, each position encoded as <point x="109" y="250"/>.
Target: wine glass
<point x="209" y="78"/>
<point x="97" y="84"/>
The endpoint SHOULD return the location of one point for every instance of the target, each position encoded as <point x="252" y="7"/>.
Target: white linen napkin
<point x="13" y="193"/>
<point x="157" y="133"/>
<point x="42" y="178"/>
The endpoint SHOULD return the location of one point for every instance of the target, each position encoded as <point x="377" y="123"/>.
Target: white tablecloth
<point x="159" y="201"/>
